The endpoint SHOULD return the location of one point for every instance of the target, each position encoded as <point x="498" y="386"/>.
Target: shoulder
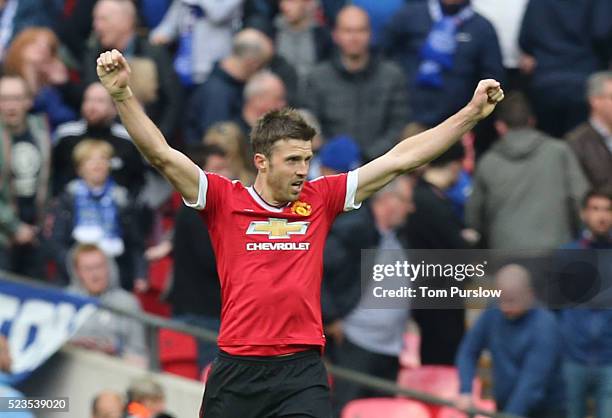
<point x="120" y="195"/>
<point x="544" y="319"/>
<point x="119" y="131"/>
<point x="482" y="23"/>
<point x="69" y="129"/>
<point x="321" y="69"/>
<point x="122" y="299"/>
<point x="389" y="69"/>
<point x="582" y="133"/>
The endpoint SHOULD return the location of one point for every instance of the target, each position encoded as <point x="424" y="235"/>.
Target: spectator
<point x="107" y="404"/>
<point x="18" y="15"/>
<point x="231" y="139"/>
<point x="356" y="93"/>
<point x="26" y="163"/>
<point x="93" y="274"/>
<point x="220" y="98"/>
<point x="440" y="82"/>
<point x="98" y="115"/>
<point x="204" y="31"/>
<point x="434" y="225"/>
<point x="196" y="293"/>
<point x="33" y="55"/>
<point x="592" y="141"/>
<point x="146" y="399"/>
<point x="299" y="39"/>
<point x="366" y="340"/>
<point x="6" y="391"/>
<point x="264" y="92"/>
<point x="527" y="188"/>
<point x="559" y="42"/>
<point x="114" y="23"/>
<point x="587" y="341"/>
<point x="74" y="25"/>
<point x="506" y="18"/>
<point x="93" y="209"/>
<point x="525" y="345"/>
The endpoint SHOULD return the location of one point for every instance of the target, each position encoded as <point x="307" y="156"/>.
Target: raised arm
<point x="114" y="71"/>
<point x="420" y="149"/>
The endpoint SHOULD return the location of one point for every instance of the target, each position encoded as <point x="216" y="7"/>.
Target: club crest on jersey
<point x="301" y="208"/>
<point x="276" y="228"/>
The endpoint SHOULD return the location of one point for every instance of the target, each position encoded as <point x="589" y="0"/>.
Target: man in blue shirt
<point x="525" y="345"/>
<point x="587" y="334"/>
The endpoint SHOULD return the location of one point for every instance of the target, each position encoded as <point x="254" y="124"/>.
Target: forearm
<point x="420" y="149"/>
<point x="146" y="136"/>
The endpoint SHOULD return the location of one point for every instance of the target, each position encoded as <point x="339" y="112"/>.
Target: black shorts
<point x="266" y="387"/>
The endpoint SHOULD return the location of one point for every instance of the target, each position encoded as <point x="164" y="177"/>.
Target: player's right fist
<point x="114" y="73"/>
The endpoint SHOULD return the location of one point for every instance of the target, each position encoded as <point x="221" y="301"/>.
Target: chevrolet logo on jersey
<point x="276" y="228"/>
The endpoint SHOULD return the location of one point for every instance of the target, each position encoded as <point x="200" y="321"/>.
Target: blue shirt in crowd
<point x="526" y="354"/>
<point x="587" y="332"/>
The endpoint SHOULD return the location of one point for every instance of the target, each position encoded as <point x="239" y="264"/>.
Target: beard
<point x="453" y="9"/>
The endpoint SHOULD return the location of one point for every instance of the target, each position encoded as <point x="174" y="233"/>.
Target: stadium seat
<point x="385" y="407"/>
<point x="178" y="354"/>
<point x="440" y="381"/>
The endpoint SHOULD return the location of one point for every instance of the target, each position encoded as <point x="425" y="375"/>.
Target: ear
<point x="501" y="128"/>
<point x="261" y="162"/>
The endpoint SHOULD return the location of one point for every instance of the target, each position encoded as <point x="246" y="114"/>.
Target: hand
<point x="159" y="251"/>
<point x="25" y="234"/>
<point x="56" y="72"/>
<point x="5" y="355"/>
<point x="527" y="63"/>
<point x="487" y="95"/>
<point x="335" y="331"/>
<point x="464" y="401"/>
<point x="114" y="74"/>
<point x="470" y="235"/>
<point x="141" y="285"/>
<point x="159" y="39"/>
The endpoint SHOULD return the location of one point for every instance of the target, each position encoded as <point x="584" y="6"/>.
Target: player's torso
<point x="269" y="256"/>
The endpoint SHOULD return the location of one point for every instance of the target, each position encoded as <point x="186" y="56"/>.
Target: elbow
<point x="159" y="157"/>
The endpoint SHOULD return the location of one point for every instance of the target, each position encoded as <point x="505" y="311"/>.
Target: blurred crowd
<point x="80" y="208"/>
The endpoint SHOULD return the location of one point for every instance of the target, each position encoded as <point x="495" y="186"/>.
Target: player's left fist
<point x="487" y="95"/>
<point x="114" y="74"/>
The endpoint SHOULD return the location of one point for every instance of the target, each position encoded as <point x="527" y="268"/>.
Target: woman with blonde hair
<point x="34" y="56"/>
<point x="229" y="137"/>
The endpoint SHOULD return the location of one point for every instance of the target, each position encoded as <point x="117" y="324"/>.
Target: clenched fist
<point x="487" y="95"/>
<point x="114" y="73"/>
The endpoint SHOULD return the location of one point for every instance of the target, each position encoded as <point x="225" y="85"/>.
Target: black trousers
<point x="356" y="358"/>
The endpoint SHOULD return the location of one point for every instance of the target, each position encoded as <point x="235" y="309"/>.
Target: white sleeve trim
<point x="202" y="189"/>
<point x="352" y="181"/>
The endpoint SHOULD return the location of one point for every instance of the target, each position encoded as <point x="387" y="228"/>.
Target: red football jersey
<point x="270" y="261"/>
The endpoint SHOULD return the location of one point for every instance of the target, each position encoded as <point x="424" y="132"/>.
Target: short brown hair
<point x="515" y="110"/>
<point x="277" y="125"/>
<point x="84" y="249"/>
<point x="87" y="146"/>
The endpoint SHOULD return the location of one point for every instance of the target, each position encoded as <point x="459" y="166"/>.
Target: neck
<point x="355" y="63"/>
<point x="234" y="67"/>
<point x="438" y="178"/>
<point x="17" y="129"/>
<point x="249" y="115"/>
<point x="299" y="25"/>
<point x="124" y="41"/>
<point x="95" y="184"/>
<point x="264" y="192"/>
<point x="602" y="122"/>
